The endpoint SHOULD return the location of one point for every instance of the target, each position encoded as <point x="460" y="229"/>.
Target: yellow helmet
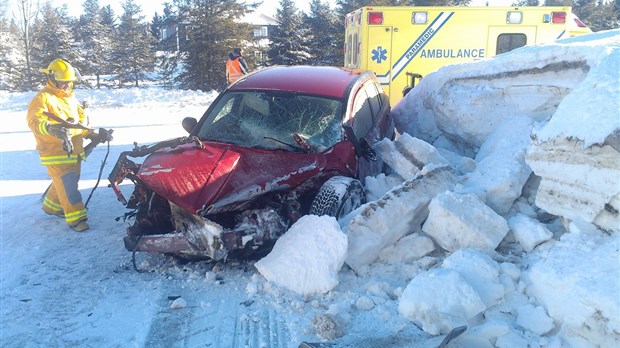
<point x="61" y="71"/>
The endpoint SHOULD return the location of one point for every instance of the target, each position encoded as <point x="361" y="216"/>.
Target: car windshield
<point x="272" y="120"/>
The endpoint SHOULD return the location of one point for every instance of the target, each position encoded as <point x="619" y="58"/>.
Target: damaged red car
<point x="277" y="144"/>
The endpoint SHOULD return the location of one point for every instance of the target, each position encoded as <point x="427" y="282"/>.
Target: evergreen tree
<point x="324" y="35"/>
<point x="132" y="55"/>
<point x="213" y="31"/>
<point x="11" y="58"/>
<point x="169" y="56"/>
<point x="288" y="44"/>
<point x="55" y="38"/>
<point x="96" y="40"/>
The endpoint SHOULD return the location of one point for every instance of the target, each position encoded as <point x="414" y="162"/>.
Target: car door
<point x="371" y="122"/>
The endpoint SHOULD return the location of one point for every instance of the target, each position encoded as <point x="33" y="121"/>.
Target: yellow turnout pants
<point x="64" y="196"/>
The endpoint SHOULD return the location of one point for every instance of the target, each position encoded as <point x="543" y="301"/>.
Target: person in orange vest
<point x="235" y="66"/>
<point x="60" y="146"/>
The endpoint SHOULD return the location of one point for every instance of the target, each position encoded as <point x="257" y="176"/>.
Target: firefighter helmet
<point x="61" y="71"/>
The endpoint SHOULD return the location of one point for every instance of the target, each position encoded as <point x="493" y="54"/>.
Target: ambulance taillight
<point x="558" y="17"/>
<point x="375" y="17"/>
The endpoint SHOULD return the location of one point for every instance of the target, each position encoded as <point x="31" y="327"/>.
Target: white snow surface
<point x="514" y="129"/>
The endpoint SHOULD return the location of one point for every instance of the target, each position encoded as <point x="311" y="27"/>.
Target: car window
<point x="363" y="112"/>
<point x="269" y="120"/>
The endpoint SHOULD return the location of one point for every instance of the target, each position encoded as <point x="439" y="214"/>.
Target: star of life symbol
<point x="379" y="54"/>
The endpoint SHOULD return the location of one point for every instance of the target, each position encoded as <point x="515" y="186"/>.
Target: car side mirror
<point x="362" y="147"/>
<point x="189" y="123"/>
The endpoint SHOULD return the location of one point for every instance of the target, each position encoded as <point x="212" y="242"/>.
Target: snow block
<point x="577" y="282"/>
<point x="495" y="92"/>
<point x="457" y="221"/>
<point x="407" y="155"/>
<point x="501" y="171"/>
<point x="479" y="271"/>
<point x="408" y="249"/>
<point x="577" y="182"/>
<point x="308" y="257"/>
<point x="534" y="319"/>
<point x="440" y="300"/>
<point x="399" y="212"/>
<point x="528" y="232"/>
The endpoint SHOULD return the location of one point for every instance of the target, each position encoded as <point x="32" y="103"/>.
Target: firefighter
<point x="61" y="148"/>
<point x="235" y="66"/>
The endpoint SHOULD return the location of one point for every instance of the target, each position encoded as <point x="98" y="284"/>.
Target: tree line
<point x="128" y="50"/>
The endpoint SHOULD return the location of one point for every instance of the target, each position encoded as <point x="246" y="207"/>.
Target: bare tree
<point x="28" y="12"/>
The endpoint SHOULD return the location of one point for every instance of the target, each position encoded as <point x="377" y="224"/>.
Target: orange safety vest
<point x="233" y="70"/>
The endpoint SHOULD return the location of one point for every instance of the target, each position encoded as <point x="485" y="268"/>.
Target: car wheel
<point x="338" y="197"/>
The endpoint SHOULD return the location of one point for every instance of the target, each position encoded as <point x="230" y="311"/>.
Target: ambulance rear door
<point x="379" y="54"/>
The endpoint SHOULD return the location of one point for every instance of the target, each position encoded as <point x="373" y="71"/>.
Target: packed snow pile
<point x="546" y="158"/>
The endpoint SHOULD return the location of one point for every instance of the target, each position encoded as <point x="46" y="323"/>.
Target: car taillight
<point x="375" y="17"/>
<point x="558" y="17"/>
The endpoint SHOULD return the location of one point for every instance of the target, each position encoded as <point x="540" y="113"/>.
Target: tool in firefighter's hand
<point x="66" y="123"/>
<point x="62" y="133"/>
<point x="101" y="136"/>
<point x="105" y="135"/>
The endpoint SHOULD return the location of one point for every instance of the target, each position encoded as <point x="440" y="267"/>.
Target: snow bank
<point x="582" y="141"/>
<point x="577" y="281"/>
<point x="307" y="258"/>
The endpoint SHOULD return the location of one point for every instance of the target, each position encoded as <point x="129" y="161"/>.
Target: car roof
<point x="326" y="81"/>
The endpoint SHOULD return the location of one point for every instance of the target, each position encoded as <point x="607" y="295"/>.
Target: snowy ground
<point x="446" y="241"/>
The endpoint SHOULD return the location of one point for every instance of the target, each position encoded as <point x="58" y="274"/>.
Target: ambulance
<point x="403" y="44"/>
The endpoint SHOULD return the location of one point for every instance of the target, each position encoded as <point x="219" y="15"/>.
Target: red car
<point x="277" y="144"/>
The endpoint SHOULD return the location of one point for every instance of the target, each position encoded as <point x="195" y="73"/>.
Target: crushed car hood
<point x="218" y="177"/>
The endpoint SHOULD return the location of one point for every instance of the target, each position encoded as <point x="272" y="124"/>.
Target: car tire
<point x="338" y="196"/>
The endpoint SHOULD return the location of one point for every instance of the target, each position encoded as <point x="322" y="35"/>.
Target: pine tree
<point x="169" y="55"/>
<point x="289" y="44"/>
<point x="324" y="35"/>
<point x="55" y="38"/>
<point x="96" y="40"/>
<point x="132" y="54"/>
<point x="11" y="59"/>
<point x="213" y="32"/>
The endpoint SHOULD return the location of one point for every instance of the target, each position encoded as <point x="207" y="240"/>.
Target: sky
<point x="444" y="241"/>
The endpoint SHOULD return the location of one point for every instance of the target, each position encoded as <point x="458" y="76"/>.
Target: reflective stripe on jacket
<point x="64" y="105"/>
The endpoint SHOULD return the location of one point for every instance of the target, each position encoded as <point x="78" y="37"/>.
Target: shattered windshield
<point x="270" y="120"/>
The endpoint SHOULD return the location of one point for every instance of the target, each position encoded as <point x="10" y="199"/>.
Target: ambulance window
<point x="354" y="49"/>
<point x="349" y="49"/>
<point x="508" y="42"/>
